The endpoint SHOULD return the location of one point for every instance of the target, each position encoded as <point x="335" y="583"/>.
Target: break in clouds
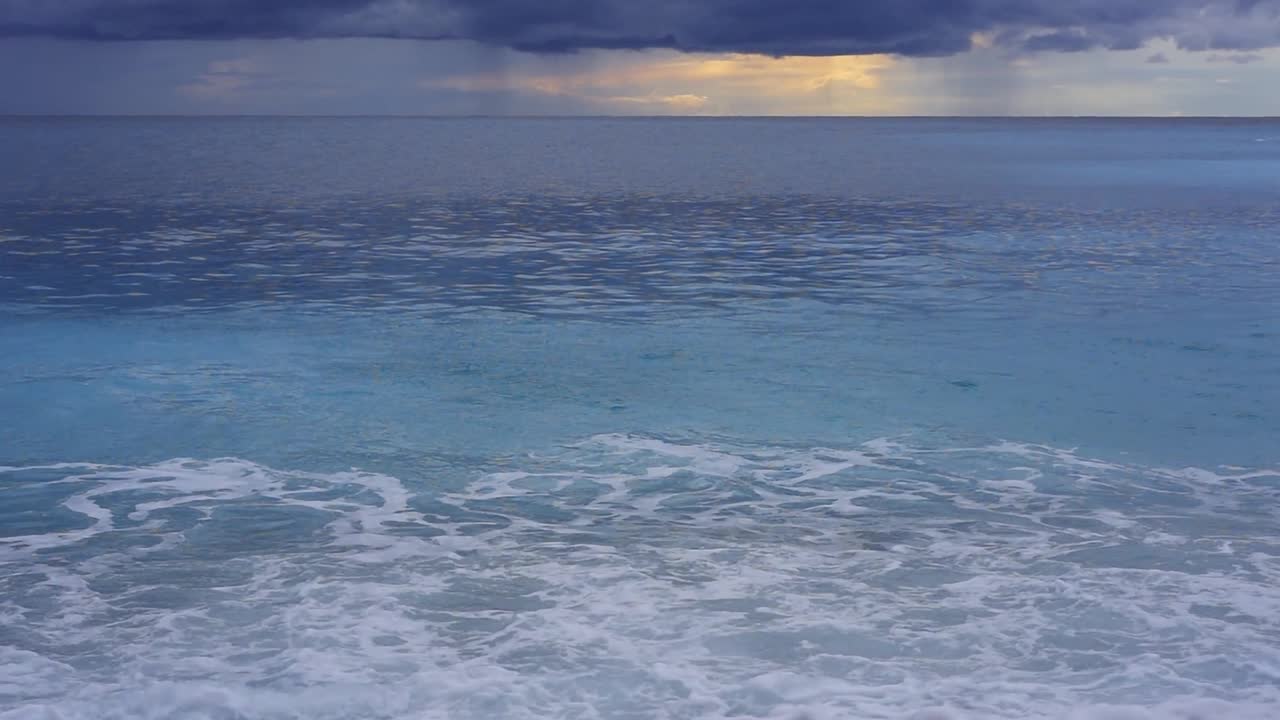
<point x="777" y="27"/>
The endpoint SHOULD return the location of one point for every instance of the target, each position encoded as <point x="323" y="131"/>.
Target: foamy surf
<point x="641" y="577"/>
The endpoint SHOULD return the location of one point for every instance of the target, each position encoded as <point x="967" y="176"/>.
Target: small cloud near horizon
<point x="223" y="79"/>
<point x="1238" y="59"/>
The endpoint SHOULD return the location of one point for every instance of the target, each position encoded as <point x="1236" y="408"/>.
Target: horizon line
<point x="567" y="116"/>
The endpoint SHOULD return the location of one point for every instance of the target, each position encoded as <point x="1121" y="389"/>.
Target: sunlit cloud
<point x="719" y="84"/>
<point x="684" y="103"/>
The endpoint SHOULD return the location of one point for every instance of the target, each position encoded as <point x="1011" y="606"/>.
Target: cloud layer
<point x="774" y="27"/>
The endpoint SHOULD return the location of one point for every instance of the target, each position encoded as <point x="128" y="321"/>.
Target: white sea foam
<point x="637" y="577"/>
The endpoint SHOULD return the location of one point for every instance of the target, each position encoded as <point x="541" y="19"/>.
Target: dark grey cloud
<point x="1158" y="59"/>
<point x="779" y="27"/>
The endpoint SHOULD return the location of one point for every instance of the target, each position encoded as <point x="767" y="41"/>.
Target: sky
<point x="641" y="57"/>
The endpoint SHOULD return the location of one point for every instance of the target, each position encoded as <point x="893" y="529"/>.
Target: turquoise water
<point x="396" y="418"/>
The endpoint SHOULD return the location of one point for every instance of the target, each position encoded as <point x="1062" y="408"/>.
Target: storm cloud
<point x="774" y="27"/>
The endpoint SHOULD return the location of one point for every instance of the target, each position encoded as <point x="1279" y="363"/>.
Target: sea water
<point x="589" y="418"/>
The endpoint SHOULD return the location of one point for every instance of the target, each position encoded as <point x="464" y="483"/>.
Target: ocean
<point x="876" y="419"/>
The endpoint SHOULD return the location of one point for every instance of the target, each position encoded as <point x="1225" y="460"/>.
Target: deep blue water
<point x="533" y="418"/>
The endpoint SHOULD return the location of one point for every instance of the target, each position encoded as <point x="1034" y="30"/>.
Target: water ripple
<point x="597" y="257"/>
